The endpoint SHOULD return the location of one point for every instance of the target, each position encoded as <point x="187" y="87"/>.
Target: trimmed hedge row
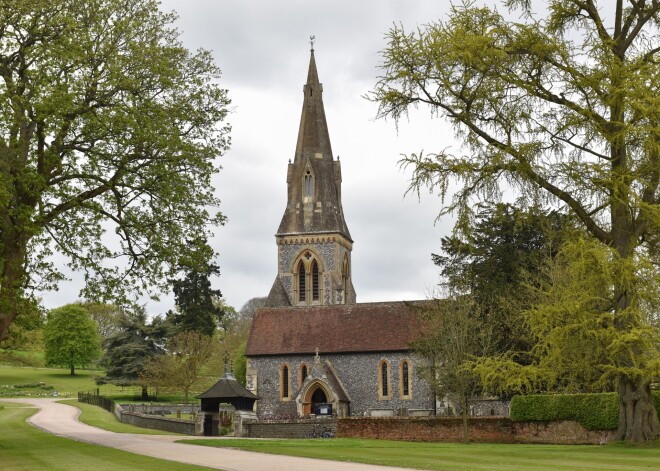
<point x="592" y="411"/>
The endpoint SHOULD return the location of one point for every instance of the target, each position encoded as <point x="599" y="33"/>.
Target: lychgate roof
<point x="367" y="327"/>
<point x="227" y="387"/>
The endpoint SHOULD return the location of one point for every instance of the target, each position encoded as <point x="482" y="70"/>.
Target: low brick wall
<point x="560" y="432"/>
<point x="481" y="429"/>
<point x="432" y="429"/>
<point x="186" y="427"/>
<point x="295" y="428"/>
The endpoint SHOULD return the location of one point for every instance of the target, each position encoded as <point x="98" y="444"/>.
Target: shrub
<point x="592" y="411"/>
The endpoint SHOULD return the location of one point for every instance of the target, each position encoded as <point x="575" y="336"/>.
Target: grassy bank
<point x="459" y="457"/>
<point x="101" y="418"/>
<point x="26" y="448"/>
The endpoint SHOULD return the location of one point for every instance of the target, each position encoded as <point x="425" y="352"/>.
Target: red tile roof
<point x="369" y="327"/>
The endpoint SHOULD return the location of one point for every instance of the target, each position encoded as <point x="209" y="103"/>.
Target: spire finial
<point x="312" y="38"/>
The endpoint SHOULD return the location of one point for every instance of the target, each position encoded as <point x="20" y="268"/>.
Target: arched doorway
<point x="314" y="395"/>
<point x="319" y="402"/>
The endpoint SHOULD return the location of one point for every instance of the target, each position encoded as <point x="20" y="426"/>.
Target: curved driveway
<point x="61" y="419"/>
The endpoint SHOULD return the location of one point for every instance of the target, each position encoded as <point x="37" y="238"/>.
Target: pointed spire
<point x="312" y="74"/>
<point x="313" y="164"/>
<point x="313" y="136"/>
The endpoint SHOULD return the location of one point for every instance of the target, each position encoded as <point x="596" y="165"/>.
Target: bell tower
<point x="313" y="242"/>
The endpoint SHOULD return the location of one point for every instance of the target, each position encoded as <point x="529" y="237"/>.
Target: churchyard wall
<point x="294" y="428"/>
<point x="186" y="427"/>
<point x="481" y="429"/>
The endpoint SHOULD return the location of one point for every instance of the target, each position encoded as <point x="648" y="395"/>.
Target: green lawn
<point x="53" y="379"/>
<point x="26" y="448"/>
<point x="59" y="379"/>
<point x="459" y="457"/>
<point x="101" y="418"/>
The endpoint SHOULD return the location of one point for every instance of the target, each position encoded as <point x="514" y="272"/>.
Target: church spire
<point x="315" y="245"/>
<point x="313" y="136"/>
<point x="314" y="177"/>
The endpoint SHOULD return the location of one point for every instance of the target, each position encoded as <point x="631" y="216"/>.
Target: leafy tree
<point x="106" y="316"/>
<point x="504" y="253"/>
<point x="562" y="109"/>
<point x="574" y="326"/>
<point x="182" y="366"/>
<point x="199" y="307"/>
<point x="455" y="336"/>
<point x="128" y="350"/>
<point x="240" y="362"/>
<point x="231" y="340"/>
<point x="247" y="311"/>
<point x="70" y="338"/>
<point x="106" y="124"/>
<point x="25" y="334"/>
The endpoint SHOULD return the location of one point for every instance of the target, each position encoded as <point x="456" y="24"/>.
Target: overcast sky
<point x="262" y="48"/>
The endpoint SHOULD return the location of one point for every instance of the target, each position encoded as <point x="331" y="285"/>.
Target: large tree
<point x="495" y="265"/>
<point x="128" y="350"/>
<point x="70" y="338"/>
<point x="199" y="306"/>
<point x="562" y="109"/>
<point x="183" y="364"/>
<point x="109" y="134"/>
<point x="454" y="336"/>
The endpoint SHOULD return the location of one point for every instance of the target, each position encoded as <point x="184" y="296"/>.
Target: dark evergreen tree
<point x="199" y="306"/>
<point x="503" y="255"/>
<point x="135" y="342"/>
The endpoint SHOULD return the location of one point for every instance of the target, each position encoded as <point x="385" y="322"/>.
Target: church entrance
<point x="316" y="399"/>
<point x="319" y="402"/>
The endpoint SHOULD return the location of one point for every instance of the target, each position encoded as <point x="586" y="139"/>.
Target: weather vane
<point x="312" y="38"/>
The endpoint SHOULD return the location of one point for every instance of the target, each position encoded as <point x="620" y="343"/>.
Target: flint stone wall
<point x="358" y="374"/>
<point x="298" y="428"/>
<point x="185" y="427"/>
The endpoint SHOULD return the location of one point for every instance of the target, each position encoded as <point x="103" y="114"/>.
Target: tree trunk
<point x="638" y="418"/>
<point x="466" y="437"/>
<point x="12" y="276"/>
<point x="145" y="393"/>
<point x="73" y="372"/>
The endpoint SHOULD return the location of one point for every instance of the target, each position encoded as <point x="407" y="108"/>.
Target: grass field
<point x="25" y="448"/>
<point x="101" y="418"/>
<point x="59" y="379"/>
<point x="459" y="457"/>
<point x="53" y="379"/>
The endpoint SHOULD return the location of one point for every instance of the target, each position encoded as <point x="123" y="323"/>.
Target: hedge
<point x="593" y="411"/>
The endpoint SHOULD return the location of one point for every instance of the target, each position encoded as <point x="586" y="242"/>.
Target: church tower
<point x="313" y="242"/>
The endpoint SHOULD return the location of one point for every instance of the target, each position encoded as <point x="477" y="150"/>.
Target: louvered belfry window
<point x="301" y="282"/>
<point x="315" y="281"/>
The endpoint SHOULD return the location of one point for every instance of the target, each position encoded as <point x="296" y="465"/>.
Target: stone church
<point x="313" y="349"/>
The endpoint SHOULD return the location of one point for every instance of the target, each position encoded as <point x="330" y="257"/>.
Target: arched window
<point x="303" y="373"/>
<point x="404" y="380"/>
<point x="307" y="279"/>
<point x="384" y="380"/>
<point x="301" y="282"/>
<point x="344" y="278"/>
<point x="309" y="186"/>
<point x="315" y="281"/>
<point x="284" y="382"/>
